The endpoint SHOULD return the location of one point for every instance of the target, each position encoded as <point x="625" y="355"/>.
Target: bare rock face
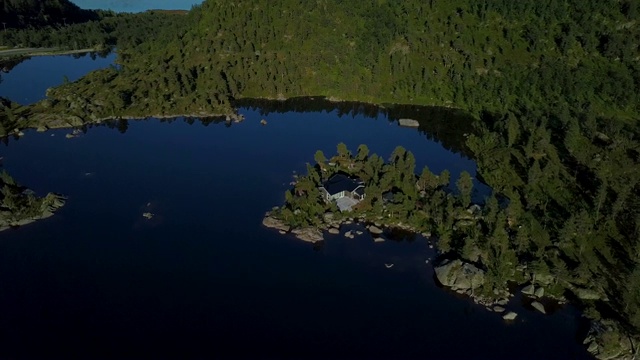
<point x="308" y="234"/>
<point x="409" y="122"/>
<point x="375" y="230"/>
<point x="529" y="290"/>
<point x="459" y="275"/>
<point x="271" y="222"/>
<point x="538" y="306"/>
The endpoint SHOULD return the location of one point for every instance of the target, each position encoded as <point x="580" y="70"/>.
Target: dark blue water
<point x="203" y="278"/>
<point x="29" y="81"/>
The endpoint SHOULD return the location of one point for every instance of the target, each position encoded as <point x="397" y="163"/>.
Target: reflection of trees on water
<point x="444" y="125"/>
<point x="449" y="127"/>
<point x="7" y="65"/>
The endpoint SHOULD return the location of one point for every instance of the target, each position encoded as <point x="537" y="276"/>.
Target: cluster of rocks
<point x="74" y="134"/>
<point x="236" y="118"/>
<point x="607" y="340"/>
<point x="536" y="293"/>
<point x="331" y="225"/>
<point x="308" y="234"/>
<point x="13" y="217"/>
<point x="465" y="278"/>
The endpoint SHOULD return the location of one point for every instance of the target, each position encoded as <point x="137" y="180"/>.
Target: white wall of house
<point x="339" y="195"/>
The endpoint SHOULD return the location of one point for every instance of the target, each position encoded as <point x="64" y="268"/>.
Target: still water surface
<point x="203" y="277"/>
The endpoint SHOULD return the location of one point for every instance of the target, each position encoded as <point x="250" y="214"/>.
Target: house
<point x="345" y="190"/>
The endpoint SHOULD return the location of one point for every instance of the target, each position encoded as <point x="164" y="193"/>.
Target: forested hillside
<point x="39" y="13"/>
<point x="110" y="29"/>
<point x="492" y="55"/>
<point x="555" y="88"/>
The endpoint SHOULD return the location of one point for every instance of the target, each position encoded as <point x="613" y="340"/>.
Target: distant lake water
<point x="203" y="278"/>
<point x="136" y="5"/>
<point x="29" y="80"/>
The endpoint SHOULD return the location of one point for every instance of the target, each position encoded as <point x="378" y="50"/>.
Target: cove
<point x="204" y="278"/>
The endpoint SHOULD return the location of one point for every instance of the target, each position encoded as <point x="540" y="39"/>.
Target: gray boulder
<point x="459" y="275"/>
<point x="539" y="292"/>
<point x="528" y="290"/>
<point x="375" y="230"/>
<point x="510" y="316"/>
<point x="538" y="306"/>
<point x="334" y="231"/>
<point x="409" y="122"/>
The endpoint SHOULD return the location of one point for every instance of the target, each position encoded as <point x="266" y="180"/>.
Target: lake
<point x="203" y="278"/>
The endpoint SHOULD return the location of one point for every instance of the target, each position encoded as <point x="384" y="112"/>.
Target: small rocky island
<point x="481" y="247"/>
<point x="20" y="206"/>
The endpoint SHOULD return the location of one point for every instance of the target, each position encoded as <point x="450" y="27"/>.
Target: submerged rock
<point x="459" y="275"/>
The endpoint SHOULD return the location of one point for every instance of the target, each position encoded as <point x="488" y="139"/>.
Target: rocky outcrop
<point x="22" y="208"/>
<point x="459" y="275"/>
<point x="409" y="122"/>
<point x="608" y="341"/>
<point x="273" y="223"/>
<point x="309" y="234"/>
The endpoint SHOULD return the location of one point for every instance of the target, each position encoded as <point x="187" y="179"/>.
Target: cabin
<point x="346" y="191"/>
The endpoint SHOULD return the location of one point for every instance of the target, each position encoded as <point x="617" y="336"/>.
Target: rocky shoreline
<point x="19" y="206"/>
<point x="51" y="203"/>
<point x="76" y="112"/>
<point x="465" y="278"/>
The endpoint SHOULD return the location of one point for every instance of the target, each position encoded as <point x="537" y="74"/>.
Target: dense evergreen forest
<point x="554" y="86"/>
<point x="501" y="56"/>
<point x="61" y="24"/>
<point x="39" y="13"/>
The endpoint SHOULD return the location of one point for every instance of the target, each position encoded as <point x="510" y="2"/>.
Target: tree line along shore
<point x="553" y="88"/>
